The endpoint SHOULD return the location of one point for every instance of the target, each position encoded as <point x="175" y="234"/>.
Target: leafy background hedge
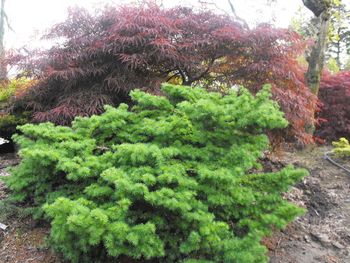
<point x="9" y="119"/>
<point x="335" y="96"/>
<point x="167" y="181"/>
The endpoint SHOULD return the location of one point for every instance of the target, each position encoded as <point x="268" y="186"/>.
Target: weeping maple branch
<point x="202" y="74"/>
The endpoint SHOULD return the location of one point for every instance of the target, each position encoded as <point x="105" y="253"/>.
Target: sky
<point x="29" y="18"/>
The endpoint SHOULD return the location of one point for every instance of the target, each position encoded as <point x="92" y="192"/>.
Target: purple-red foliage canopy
<point x="99" y="58"/>
<point x="334" y="94"/>
<point x="102" y="57"/>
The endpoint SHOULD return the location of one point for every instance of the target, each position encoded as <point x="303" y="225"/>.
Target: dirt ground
<point x="23" y="241"/>
<point x="322" y="235"/>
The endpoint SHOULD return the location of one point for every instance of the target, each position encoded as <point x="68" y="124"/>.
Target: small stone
<point x="3" y="141"/>
<point x="307" y="239"/>
<point x="338" y="245"/>
<point x="3" y="226"/>
<point x="322" y="238"/>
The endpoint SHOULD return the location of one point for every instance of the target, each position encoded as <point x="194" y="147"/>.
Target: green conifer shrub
<point x="342" y="147"/>
<point x="165" y="181"/>
<point x="9" y="119"/>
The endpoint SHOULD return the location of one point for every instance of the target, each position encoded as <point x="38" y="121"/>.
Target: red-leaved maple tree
<point x="100" y="57"/>
<point x="269" y="55"/>
<point x="335" y="111"/>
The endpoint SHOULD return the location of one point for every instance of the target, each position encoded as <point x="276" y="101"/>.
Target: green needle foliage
<point x="342" y="147"/>
<point x="167" y="181"/>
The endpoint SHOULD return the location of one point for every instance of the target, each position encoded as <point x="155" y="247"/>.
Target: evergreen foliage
<point x="9" y="122"/>
<point x="8" y="119"/>
<point x="165" y="181"/>
<point x="342" y="147"/>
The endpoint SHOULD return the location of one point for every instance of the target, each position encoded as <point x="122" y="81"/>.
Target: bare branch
<point x="233" y="10"/>
<point x="201" y="75"/>
<point x="8" y="23"/>
<point x="316" y="6"/>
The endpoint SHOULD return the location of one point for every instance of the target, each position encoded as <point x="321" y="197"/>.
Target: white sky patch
<point x="29" y="18"/>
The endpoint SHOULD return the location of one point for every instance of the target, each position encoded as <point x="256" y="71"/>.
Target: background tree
<point x="338" y="36"/>
<point x="3" y="71"/>
<point x="322" y="10"/>
<point x="339" y="40"/>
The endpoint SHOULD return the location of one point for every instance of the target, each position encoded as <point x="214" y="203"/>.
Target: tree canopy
<point x="100" y="57"/>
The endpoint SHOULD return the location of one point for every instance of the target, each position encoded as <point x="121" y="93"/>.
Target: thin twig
<point x="316" y="211"/>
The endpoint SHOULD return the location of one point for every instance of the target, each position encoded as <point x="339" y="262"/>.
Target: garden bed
<point x="321" y="235"/>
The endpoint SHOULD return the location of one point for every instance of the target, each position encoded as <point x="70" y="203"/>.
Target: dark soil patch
<point x="7" y="148"/>
<point x="317" y="201"/>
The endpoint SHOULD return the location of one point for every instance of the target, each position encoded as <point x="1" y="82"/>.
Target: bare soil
<point x="322" y="235"/>
<point x="24" y="240"/>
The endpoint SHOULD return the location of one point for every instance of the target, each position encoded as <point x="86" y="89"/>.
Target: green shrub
<point x="9" y="121"/>
<point x="166" y="181"/>
<point x="342" y="147"/>
<point x="15" y="85"/>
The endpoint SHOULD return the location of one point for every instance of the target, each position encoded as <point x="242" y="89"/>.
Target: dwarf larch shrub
<point x="342" y="147"/>
<point x="166" y="181"/>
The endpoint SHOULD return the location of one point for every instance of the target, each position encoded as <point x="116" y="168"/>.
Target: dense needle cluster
<point x="166" y="181"/>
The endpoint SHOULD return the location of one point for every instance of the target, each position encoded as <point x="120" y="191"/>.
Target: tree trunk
<point x="3" y="69"/>
<point x="339" y="50"/>
<point x="317" y="6"/>
<point x="316" y="57"/>
<point x="321" y="9"/>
